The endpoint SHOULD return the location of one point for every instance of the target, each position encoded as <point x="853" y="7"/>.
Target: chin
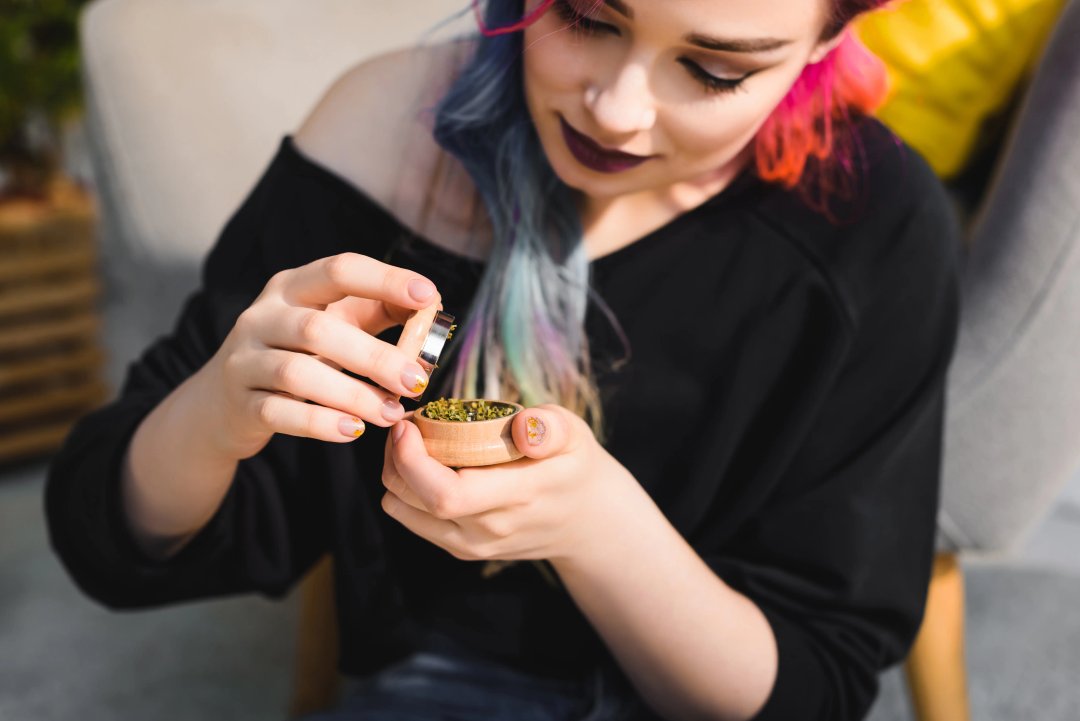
<point x="583" y="181"/>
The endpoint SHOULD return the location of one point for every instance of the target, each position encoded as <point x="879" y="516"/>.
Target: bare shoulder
<point x="373" y="128"/>
<point x="373" y="107"/>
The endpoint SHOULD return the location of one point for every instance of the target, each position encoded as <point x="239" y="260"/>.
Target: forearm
<point x="175" y="473"/>
<point x="693" y="647"/>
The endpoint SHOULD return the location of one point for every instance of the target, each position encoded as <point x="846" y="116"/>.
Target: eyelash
<point x="587" y="26"/>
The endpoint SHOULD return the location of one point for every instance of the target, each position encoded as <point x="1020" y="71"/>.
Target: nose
<point x="624" y="104"/>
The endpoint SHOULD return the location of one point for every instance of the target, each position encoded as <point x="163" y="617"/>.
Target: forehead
<point x="782" y="19"/>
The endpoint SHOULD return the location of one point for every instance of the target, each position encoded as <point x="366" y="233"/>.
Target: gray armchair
<point x="1014" y="397"/>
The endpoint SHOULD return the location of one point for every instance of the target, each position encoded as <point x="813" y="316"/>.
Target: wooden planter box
<point x="50" y="355"/>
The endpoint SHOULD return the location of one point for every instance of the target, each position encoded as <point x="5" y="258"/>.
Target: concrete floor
<point x="64" y="657"/>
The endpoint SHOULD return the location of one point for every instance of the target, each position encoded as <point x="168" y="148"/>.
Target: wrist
<point x="609" y="529"/>
<point x="174" y="472"/>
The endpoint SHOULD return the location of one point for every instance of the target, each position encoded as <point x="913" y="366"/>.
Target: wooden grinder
<point x="454" y="443"/>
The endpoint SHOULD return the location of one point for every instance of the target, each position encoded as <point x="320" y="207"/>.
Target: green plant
<point x="456" y="409"/>
<point x="39" y="87"/>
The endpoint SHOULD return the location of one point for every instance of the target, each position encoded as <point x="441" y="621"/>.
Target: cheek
<point x="725" y="124"/>
<point x="716" y="131"/>
<point x="551" y="66"/>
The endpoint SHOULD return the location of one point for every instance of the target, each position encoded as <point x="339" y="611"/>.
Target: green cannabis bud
<point x="455" y="409"/>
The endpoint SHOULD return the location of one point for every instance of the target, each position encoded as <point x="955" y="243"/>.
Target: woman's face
<point x="683" y="83"/>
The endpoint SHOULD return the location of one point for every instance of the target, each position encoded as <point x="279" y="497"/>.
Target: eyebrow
<point x="726" y="45"/>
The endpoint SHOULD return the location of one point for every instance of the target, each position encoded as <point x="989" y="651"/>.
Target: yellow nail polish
<point x="351" y="427"/>
<point x="535" y="431"/>
<point x="414" y="378"/>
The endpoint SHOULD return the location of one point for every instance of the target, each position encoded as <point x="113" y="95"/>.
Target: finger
<point x="326" y="335"/>
<point x="445" y="534"/>
<point x="543" y="431"/>
<point x="309" y="378"/>
<point x="445" y="493"/>
<point x="330" y="279"/>
<point x="373" y="316"/>
<point x="280" y="414"/>
<point x="392" y="480"/>
<point x="434" y="484"/>
<point x="396" y="485"/>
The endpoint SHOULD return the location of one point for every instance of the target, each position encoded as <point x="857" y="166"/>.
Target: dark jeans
<point x="445" y="686"/>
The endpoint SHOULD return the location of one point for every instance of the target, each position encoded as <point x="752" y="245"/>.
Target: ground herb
<point x="455" y="409"/>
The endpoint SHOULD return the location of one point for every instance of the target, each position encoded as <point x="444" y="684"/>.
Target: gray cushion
<point x="1013" y="421"/>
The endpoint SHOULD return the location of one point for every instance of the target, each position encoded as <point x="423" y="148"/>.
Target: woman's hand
<point x="543" y="506"/>
<point x="290" y="345"/>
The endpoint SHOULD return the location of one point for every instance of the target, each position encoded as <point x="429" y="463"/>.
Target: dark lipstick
<point x="593" y="156"/>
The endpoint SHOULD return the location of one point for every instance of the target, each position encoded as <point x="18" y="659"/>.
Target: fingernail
<point x="414" y="378"/>
<point x="421" y="289"/>
<point x="535" y="430"/>
<point x="397" y="431"/>
<point x="352" y="427"/>
<point x="392" y="410"/>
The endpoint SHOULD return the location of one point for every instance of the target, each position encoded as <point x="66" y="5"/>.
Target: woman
<point x="726" y="297"/>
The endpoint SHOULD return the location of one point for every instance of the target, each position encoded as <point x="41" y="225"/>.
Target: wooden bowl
<point x="470" y="443"/>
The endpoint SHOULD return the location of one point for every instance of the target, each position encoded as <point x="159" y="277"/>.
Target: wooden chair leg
<point x="315" y="676"/>
<point x="936" y="670"/>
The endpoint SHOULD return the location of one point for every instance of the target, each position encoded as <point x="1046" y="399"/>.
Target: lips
<point x="593" y="156"/>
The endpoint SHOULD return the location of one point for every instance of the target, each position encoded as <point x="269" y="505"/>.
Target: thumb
<point x="543" y="431"/>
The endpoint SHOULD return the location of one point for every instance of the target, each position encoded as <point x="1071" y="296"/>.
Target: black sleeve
<point x="266" y="533"/>
<point x="839" y="558"/>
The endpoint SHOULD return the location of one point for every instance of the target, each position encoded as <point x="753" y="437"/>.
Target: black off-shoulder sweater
<point x="805" y="357"/>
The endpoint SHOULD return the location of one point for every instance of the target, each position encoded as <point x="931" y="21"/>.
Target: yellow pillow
<point x="952" y="64"/>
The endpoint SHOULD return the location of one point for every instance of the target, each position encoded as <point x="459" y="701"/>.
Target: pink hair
<point x="803" y="125"/>
<point x="519" y="25"/>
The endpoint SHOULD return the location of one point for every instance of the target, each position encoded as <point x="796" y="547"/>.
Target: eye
<point x="579" y="22"/>
<point x="712" y="83"/>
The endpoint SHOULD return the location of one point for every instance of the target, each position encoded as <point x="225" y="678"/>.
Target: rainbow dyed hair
<point x="524" y="336"/>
